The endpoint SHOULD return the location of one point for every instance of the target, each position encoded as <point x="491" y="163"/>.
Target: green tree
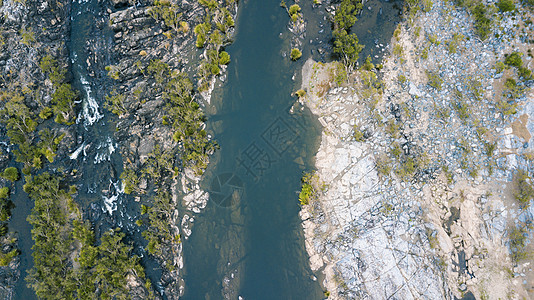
<point x="115" y="103"/>
<point x="202" y="30"/>
<point x="130" y="180"/>
<point x="347" y="47"/>
<point x="11" y="173"/>
<point x="63" y="101"/>
<point x="346" y="13"/>
<point x="224" y="58"/>
<point x="169" y="13"/>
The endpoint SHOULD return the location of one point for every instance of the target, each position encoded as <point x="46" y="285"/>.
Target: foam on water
<point x="108" y="147"/>
<point x="110" y="203"/>
<point x="89" y="113"/>
<point x="76" y="153"/>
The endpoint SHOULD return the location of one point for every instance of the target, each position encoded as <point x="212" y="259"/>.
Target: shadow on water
<point x="375" y="27"/>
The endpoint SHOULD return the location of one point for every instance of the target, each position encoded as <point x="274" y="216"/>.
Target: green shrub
<point x="518" y="238"/>
<point x="524" y="73"/>
<point x="483" y="20"/>
<point x="130" y="180"/>
<point x="340" y="74"/>
<point x="11" y="173"/>
<point x="215" y="70"/>
<point x="63" y="101"/>
<point x="294" y="9"/>
<point x="6" y="258"/>
<point x="524" y="191"/>
<point x="368" y="65"/>
<point x="167" y="12"/>
<point x="202" y="30"/>
<point x="505" y="5"/>
<point x="307" y="191"/>
<point x="434" y="80"/>
<point x="506" y="107"/>
<point x="45" y="113"/>
<point x="295" y="54"/>
<point x="358" y="135"/>
<point x="499" y="67"/>
<point x="512" y="89"/>
<point x="397" y="32"/>
<point x="224" y="58"/>
<point x="4" y="192"/>
<point x="115" y="103"/>
<point x="513" y="59"/>
<point x="300" y="93"/>
<point x="346" y="44"/>
<point x="427" y="5"/>
<point x="210" y="4"/>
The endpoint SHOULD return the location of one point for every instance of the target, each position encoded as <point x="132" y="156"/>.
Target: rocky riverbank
<point x="418" y="189"/>
<point x="160" y="126"/>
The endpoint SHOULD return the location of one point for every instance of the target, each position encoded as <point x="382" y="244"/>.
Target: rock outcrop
<point x="417" y="181"/>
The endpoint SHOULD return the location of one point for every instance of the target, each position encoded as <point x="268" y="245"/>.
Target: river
<point x="254" y="239"/>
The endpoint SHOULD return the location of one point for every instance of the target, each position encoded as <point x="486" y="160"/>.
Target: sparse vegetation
<point x="518" y="239"/>
<point x="434" y="80"/>
<point x="462" y="108"/>
<point x="358" y="135"/>
<point x="308" y="192"/>
<point x="452" y="45"/>
<point x="27" y="35"/>
<point x="383" y="165"/>
<point x="398" y="50"/>
<point x="433" y="39"/>
<point x="524" y="191"/>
